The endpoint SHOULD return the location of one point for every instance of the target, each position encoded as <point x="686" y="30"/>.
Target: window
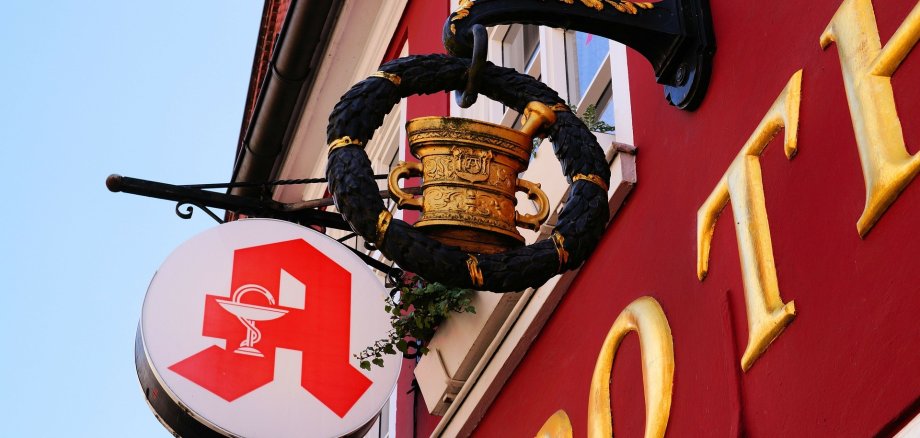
<point x="589" y="81"/>
<point x="576" y="64"/>
<point x="604" y="105"/>
<point x="520" y="47"/>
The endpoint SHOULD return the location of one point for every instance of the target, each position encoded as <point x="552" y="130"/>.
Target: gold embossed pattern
<point x="472" y="264"/>
<point x="383" y="224"/>
<point x="559" y="243"/>
<point x="592" y="179"/>
<point x="395" y="79"/>
<point x="342" y="142"/>
<point x="470" y="182"/>
<point x="462" y="11"/>
<point x="625" y="7"/>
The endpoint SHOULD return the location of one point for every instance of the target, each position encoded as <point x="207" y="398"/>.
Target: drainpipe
<point x="292" y="69"/>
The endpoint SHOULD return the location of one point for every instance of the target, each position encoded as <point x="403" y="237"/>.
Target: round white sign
<point x="250" y="329"/>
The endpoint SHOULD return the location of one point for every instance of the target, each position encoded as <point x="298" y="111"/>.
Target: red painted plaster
<point x="847" y="365"/>
<point x="420" y="28"/>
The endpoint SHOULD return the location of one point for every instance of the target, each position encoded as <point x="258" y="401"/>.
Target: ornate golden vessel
<point x="469" y="173"/>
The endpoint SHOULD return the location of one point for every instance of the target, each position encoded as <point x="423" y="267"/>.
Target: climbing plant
<point x="415" y="314"/>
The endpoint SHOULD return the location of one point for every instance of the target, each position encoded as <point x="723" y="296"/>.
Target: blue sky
<point x="153" y="90"/>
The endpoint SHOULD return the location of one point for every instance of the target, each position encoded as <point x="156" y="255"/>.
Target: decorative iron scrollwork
<point x="187" y="214"/>
<point x="190" y="196"/>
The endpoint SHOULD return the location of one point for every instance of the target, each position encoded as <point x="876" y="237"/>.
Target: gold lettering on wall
<point x="645" y="317"/>
<point x="867" y="69"/>
<point x="557" y="426"/>
<point x="767" y="315"/>
<point x="656" y="346"/>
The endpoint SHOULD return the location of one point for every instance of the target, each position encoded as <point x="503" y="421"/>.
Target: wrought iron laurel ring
<point x="361" y="111"/>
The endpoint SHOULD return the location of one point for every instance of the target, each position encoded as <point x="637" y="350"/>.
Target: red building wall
<point x="420" y="29"/>
<point x="848" y="364"/>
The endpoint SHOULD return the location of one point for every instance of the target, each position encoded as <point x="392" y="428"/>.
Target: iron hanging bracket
<point x="675" y="36"/>
<point x="188" y="196"/>
<point x="304" y="213"/>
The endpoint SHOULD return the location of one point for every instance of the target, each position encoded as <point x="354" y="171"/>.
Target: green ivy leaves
<point x="420" y="309"/>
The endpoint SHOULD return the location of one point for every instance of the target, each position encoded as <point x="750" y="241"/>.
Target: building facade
<point x="767" y="236"/>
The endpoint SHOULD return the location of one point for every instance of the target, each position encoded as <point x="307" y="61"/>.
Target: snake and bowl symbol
<point x="249" y="314"/>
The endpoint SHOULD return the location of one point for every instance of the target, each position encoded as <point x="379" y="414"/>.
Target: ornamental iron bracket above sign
<point x="307" y="213"/>
<point x="675" y="36"/>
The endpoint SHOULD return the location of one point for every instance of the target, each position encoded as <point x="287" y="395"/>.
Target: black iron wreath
<point x="361" y="111"/>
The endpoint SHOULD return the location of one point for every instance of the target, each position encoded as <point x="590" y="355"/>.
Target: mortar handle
<point x="532" y="221"/>
<point x="403" y="199"/>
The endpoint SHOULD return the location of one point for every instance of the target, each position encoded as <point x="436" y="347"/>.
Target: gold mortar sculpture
<point x="469" y="173"/>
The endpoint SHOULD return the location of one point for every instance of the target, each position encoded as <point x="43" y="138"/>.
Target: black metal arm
<point x="204" y="200"/>
<point x="239" y="204"/>
<point x="675" y="36"/>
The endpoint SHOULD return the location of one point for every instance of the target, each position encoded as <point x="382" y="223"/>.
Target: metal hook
<point x="477" y="62"/>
